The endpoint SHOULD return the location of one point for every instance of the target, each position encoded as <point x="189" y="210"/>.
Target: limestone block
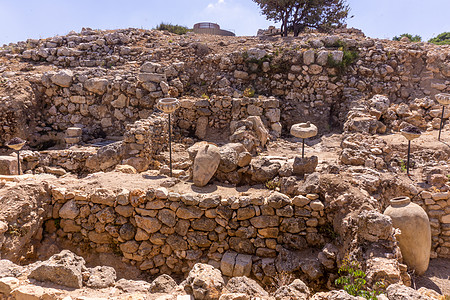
<point x="7" y="284"/>
<point x="240" y="75"/>
<point x="243" y="265"/>
<point x="206" y="163"/>
<point x="63" y="78"/>
<point x="308" y="57"/>
<point x="72" y="140"/>
<point x="305" y="165"/>
<point x="28" y="292"/>
<point x="8" y="165"/>
<point x="201" y="127"/>
<point x="152" y="77"/>
<point x="273" y="114"/>
<point x="227" y="263"/>
<point x="316" y="205"/>
<point x="64" y="268"/>
<point x="74" y="132"/>
<point x="96" y="85"/>
<point x="69" y="210"/>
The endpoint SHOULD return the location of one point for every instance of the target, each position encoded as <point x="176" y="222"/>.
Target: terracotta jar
<point x="415" y="237"/>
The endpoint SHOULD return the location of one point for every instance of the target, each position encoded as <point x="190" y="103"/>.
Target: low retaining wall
<point x="165" y="232"/>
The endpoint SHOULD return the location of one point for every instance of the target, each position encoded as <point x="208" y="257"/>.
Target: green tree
<point x="415" y="38"/>
<point x="441" y="39"/>
<point x="297" y="15"/>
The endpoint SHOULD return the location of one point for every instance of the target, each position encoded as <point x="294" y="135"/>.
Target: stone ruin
<point x="242" y="210"/>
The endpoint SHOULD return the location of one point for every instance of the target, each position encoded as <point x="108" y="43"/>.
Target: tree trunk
<point x="285" y="21"/>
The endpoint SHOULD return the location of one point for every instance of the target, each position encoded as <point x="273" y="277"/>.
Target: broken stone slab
<point x="64" y="269"/>
<point x="132" y="286"/>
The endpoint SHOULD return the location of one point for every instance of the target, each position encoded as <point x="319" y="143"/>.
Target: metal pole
<point x="170" y="147"/>
<point x="18" y="161"/>
<point x="303" y="149"/>
<point x="442" y="121"/>
<point x="407" y="164"/>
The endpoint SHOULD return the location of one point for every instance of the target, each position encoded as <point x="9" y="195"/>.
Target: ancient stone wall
<point x="316" y="77"/>
<point x="167" y="232"/>
<point x="437" y="206"/>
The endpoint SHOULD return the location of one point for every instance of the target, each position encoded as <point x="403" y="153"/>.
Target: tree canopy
<point x="415" y="38"/>
<point x="297" y="15"/>
<point x="441" y="39"/>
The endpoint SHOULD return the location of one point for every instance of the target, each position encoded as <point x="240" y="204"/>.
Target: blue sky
<point x="24" y="19"/>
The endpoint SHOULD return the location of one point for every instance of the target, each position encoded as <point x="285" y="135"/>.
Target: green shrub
<point x="441" y="39"/>
<point x="353" y="281"/>
<point x="348" y="59"/>
<point x="415" y="38"/>
<point x="177" y="29"/>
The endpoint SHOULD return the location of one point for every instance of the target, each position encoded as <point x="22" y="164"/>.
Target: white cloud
<point x="216" y="5"/>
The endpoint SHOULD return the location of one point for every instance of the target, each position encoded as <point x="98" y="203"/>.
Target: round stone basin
<point x="16" y="146"/>
<point x="410" y="135"/>
<point x="304" y="130"/>
<point x="443" y="98"/>
<point x="168" y="105"/>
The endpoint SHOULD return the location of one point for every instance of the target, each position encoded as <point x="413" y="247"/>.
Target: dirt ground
<point x="327" y="148"/>
<point x="436" y="278"/>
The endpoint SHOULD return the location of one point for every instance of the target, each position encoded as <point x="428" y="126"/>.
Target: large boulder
<point x="250" y="132"/>
<point x="101" y="277"/>
<point x="229" y="157"/>
<point x="296" y="290"/>
<point x="204" y="282"/>
<point x="245" y="285"/>
<point x="263" y="169"/>
<point x="106" y="157"/>
<point x="364" y="124"/>
<point x="379" y="105"/>
<point x="10" y="269"/>
<point x="374" y="226"/>
<point x="205" y="164"/>
<point x="401" y="292"/>
<point x="64" y="269"/>
<point x="163" y="284"/>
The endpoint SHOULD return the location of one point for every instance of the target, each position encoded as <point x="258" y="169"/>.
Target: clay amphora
<point x="415" y="237"/>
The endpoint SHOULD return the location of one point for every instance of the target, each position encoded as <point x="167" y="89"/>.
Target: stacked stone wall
<point x="437" y="206"/>
<point x="316" y="77"/>
<point x="167" y="232"/>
